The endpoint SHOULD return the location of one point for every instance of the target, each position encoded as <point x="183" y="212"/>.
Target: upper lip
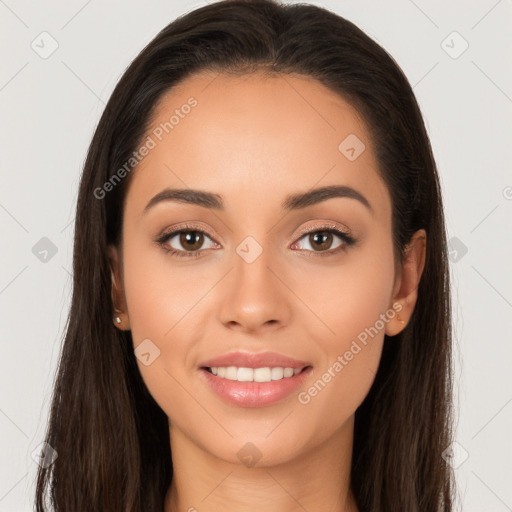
<point x="260" y="360"/>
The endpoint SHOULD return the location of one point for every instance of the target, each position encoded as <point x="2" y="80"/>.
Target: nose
<point x="255" y="297"/>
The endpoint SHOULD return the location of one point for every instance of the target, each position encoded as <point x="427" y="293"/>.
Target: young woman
<point x="260" y="317"/>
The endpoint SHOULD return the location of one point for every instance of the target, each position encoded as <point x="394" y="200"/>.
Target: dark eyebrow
<point x="291" y="202"/>
<point x="305" y="199"/>
<point x="206" y="199"/>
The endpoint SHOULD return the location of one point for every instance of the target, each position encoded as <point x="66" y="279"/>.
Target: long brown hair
<point x="111" y="437"/>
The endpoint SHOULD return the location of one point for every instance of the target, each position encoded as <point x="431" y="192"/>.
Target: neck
<point x="316" y="480"/>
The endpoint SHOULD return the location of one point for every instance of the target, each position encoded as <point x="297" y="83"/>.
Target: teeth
<point x="266" y="374"/>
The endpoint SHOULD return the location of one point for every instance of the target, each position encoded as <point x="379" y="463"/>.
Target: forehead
<point x="263" y="135"/>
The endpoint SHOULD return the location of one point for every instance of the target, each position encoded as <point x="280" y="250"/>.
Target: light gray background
<point x="50" y="106"/>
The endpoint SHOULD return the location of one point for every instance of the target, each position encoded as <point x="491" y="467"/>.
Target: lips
<point x="254" y="394"/>
<point x="259" y="360"/>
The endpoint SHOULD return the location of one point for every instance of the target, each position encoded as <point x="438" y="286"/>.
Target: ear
<point x="405" y="289"/>
<point x="117" y="291"/>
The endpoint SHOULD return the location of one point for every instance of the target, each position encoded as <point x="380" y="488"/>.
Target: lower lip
<point x="255" y="394"/>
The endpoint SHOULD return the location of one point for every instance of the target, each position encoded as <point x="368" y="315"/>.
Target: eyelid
<point x="324" y="226"/>
<point x="189" y="226"/>
<point x="169" y="233"/>
<point x="303" y="231"/>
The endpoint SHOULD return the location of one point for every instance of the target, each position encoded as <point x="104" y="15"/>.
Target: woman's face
<point x="250" y="279"/>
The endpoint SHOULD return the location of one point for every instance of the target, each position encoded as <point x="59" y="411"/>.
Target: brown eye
<point x="191" y="240"/>
<point x="321" y="240"/>
<point x="185" y="242"/>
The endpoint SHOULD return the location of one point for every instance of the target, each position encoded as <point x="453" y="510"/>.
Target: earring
<point x="117" y="320"/>
<point x="399" y="319"/>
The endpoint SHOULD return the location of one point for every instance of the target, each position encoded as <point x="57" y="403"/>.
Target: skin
<point x="254" y="140"/>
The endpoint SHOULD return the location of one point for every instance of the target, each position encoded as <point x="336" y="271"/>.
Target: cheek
<point x="158" y="296"/>
<point x="350" y="297"/>
<point x="162" y="305"/>
<point x="352" y="304"/>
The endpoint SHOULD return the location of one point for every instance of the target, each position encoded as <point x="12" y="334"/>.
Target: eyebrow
<point x="292" y="202"/>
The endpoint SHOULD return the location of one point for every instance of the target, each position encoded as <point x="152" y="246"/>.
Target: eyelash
<point x="347" y="239"/>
